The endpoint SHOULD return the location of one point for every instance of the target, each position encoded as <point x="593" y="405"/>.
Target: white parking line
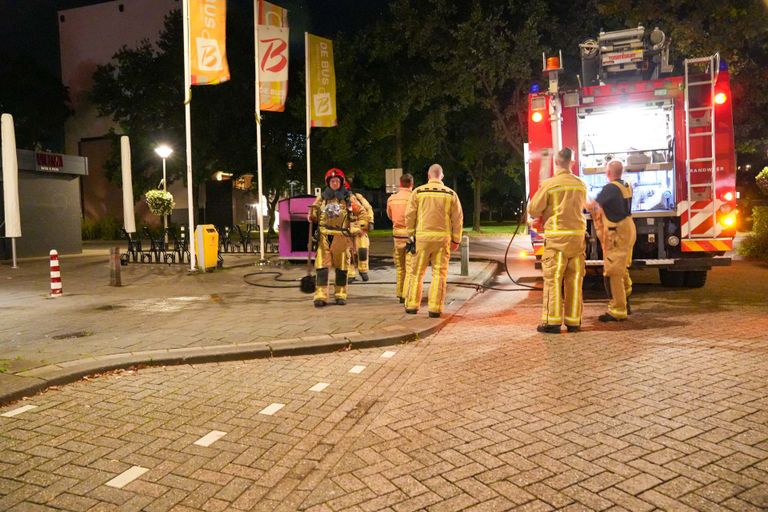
<point x="210" y="438"/>
<point x="357" y="369"/>
<point x="126" y="477"/>
<point x="271" y="409"/>
<point x="388" y="354"/>
<point x="319" y="386"/>
<point x="16" y="412"/>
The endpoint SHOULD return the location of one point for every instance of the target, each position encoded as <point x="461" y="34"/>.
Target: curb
<point x="36" y="380"/>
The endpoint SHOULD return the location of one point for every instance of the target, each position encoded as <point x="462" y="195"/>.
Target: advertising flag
<point x="273" y="56"/>
<point x="207" y="41"/>
<point x="322" y="82"/>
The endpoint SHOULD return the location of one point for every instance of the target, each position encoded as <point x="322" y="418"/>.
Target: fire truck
<point x="674" y="134"/>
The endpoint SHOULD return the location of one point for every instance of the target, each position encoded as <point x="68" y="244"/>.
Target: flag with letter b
<point x="322" y="82"/>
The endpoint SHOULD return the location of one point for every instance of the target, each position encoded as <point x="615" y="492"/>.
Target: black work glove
<point x="410" y="246"/>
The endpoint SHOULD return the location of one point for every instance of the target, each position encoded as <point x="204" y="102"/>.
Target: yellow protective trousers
<point x="617" y="257"/>
<point x="363" y="243"/>
<point x="403" y="263"/>
<point x="437" y="254"/>
<point x="332" y="251"/>
<point x="563" y="277"/>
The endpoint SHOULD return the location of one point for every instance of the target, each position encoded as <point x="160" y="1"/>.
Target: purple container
<point x="293" y="231"/>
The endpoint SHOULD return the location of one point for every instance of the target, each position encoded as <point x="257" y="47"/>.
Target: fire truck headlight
<point x="728" y="196"/>
<point x="673" y="241"/>
<point x="537" y="117"/>
<point x="720" y="98"/>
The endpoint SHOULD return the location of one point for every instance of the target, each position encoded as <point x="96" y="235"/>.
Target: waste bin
<point x="206" y="246"/>
<point x="293" y="231"/>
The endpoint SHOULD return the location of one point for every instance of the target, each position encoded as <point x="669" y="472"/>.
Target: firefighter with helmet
<point x="435" y="218"/>
<point x="363" y="242"/>
<point x="337" y="214"/>
<point x="612" y="214"/>
<point x="559" y="202"/>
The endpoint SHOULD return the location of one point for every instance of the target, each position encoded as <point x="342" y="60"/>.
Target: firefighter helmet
<point x="334" y="173"/>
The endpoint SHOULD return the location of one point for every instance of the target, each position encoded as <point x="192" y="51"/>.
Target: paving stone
<point x="484" y="415"/>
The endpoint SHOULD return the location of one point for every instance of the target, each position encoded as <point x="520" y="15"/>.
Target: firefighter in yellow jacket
<point x="363" y="241"/>
<point x="434" y="217"/>
<point x="560" y="201"/>
<point x="337" y="215"/>
<point x="396" y="206"/>
<point x="612" y="214"/>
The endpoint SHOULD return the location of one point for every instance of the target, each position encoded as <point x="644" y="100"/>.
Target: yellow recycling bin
<point x="206" y="246"/>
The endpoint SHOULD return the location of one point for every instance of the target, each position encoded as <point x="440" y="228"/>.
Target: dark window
<point x="121" y="7"/>
<point x="62" y="18"/>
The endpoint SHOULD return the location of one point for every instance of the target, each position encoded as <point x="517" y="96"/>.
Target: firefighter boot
<point x="340" y="291"/>
<point x="321" y="288"/>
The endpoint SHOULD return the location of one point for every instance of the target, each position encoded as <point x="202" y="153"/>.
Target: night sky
<point x="29" y="29"/>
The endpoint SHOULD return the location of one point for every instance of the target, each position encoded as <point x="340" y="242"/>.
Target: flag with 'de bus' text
<point x="207" y="42"/>
<point x="322" y="82"/>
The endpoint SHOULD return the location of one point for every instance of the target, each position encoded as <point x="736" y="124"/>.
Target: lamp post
<point x="164" y="151"/>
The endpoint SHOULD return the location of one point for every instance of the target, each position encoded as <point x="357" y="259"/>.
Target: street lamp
<point x="164" y="151"/>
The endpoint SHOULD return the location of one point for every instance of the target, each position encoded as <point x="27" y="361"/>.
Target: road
<point x="665" y="411"/>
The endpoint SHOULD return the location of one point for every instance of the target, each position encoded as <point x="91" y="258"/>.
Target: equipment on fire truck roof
<point x="625" y="54"/>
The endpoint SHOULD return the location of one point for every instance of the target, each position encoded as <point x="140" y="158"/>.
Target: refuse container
<point x="206" y="246"/>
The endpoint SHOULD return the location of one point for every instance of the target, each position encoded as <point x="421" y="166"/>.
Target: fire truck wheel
<point x="695" y="278"/>
<point x="671" y="279"/>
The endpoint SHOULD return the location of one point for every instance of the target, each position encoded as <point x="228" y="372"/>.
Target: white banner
<point x="273" y="53"/>
<point x="129" y="221"/>
<point x="10" y="178"/>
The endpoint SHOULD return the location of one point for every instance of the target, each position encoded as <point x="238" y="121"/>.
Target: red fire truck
<point x="674" y="134"/>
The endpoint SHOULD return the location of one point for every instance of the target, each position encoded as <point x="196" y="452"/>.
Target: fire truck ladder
<point x="703" y="191"/>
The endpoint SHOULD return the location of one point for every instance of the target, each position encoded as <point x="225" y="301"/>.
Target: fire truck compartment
<point x="641" y="136"/>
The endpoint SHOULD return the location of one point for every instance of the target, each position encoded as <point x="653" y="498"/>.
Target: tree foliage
<point x="142" y="91"/>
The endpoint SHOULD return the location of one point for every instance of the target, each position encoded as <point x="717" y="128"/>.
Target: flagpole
<point x="256" y="5"/>
<point x="188" y="131"/>
<point x="308" y="109"/>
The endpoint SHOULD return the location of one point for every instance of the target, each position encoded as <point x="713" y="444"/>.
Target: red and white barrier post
<point x="55" y="274"/>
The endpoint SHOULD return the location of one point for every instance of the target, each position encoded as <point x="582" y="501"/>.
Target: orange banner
<point x="273" y="56"/>
<point x="207" y="42"/>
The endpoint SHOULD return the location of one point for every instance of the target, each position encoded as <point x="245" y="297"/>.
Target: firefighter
<point x="363" y="242"/>
<point x="612" y="214"/>
<point x="396" y="205"/>
<point x="560" y="202"/>
<point x="434" y="219"/>
<point x="337" y="214"/>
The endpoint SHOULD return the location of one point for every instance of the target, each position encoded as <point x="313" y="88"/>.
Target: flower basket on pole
<point x="160" y="202"/>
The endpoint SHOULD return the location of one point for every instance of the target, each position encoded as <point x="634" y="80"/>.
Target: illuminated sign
<point x="49" y="162"/>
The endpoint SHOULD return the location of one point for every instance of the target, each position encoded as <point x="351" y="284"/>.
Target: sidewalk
<point x="164" y="315"/>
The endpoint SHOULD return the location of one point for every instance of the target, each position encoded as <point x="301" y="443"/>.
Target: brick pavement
<point x="163" y="314"/>
<point x="667" y="411"/>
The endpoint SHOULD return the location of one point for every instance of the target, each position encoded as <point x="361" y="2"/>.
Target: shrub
<point x="110" y="228"/>
<point x="755" y="245"/>
<point x="90" y="229"/>
<point x="762" y="180"/>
